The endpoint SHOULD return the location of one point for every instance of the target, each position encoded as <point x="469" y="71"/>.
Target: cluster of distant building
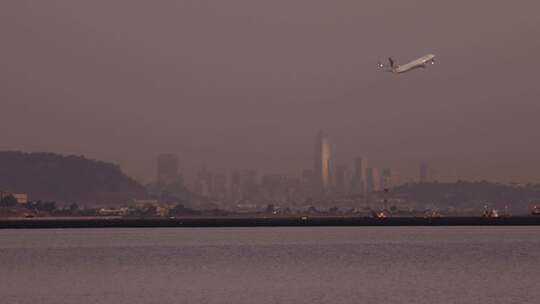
<point x="22" y="198"/>
<point x="325" y="180"/>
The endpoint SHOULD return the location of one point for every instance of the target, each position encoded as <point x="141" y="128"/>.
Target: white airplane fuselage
<point x="418" y="63"/>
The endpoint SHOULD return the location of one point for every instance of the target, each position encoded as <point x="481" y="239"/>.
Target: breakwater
<point x="289" y="221"/>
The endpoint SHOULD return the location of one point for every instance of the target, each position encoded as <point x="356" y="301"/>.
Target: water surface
<point x="271" y="265"/>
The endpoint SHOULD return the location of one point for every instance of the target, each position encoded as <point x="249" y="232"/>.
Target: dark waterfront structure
<point x="293" y="221"/>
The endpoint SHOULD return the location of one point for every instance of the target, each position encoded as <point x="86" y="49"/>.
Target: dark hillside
<point x="66" y="179"/>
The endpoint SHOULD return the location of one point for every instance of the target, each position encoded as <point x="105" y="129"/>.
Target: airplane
<point x="418" y="63"/>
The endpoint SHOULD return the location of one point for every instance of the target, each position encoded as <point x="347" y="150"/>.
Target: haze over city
<point x="269" y="151"/>
<point x="247" y="84"/>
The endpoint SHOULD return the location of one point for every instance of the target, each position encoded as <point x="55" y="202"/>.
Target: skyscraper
<point x="359" y="179"/>
<point x="372" y="180"/>
<point x="342" y="180"/>
<point x="235" y="191"/>
<point x="396" y="179"/>
<point x="204" y="182"/>
<point x="323" y="162"/>
<point x="386" y="178"/>
<point x="309" y="182"/>
<point x="220" y="186"/>
<point x="167" y="170"/>
<point x="243" y="184"/>
<point x="423" y="178"/>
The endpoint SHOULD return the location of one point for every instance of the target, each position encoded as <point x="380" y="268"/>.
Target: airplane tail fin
<point x="383" y="68"/>
<point x="391" y="62"/>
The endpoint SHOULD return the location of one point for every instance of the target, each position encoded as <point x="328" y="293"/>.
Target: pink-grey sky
<point x="247" y="83"/>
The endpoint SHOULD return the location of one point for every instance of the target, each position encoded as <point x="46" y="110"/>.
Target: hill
<point x="463" y="194"/>
<point x="66" y="179"/>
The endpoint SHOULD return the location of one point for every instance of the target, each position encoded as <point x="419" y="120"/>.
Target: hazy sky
<point x="247" y="83"/>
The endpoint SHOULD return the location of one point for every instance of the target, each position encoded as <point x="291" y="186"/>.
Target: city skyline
<point x="240" y="85"/>
<point x="240" y="151"/>
<point x="409" y="170"/>
<point x="325" y="178"/>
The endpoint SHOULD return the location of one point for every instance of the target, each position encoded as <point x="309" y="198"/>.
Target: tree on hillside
<point x="8" y="201"/>
<point x="180" y="210"/>
<point x="73" y="208"/>
<point x="42" y="206"/>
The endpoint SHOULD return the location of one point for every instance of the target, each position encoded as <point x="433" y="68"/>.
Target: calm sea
<point x="271" y="265"/>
